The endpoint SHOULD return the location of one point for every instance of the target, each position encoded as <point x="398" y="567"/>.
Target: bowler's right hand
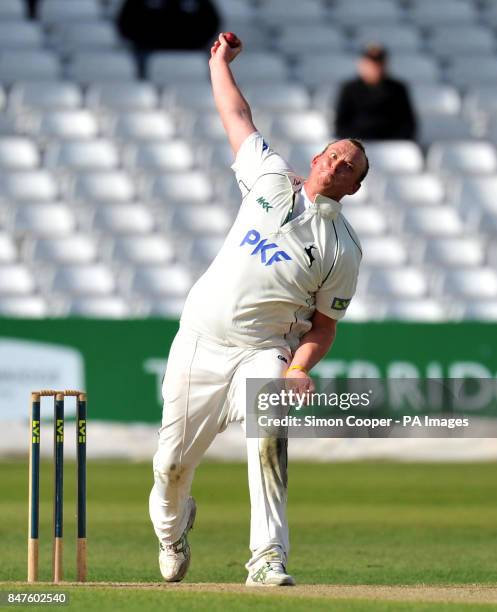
<point x="221" y="51"/>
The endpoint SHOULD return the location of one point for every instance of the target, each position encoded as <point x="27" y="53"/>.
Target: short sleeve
<point x="336" y="293"/>
<point x="255" y="158"/>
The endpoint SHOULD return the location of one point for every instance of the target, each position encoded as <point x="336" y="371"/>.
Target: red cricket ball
<point x="232" y="39"/>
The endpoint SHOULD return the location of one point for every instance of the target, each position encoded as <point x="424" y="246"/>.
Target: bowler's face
<point x="338" y="170"/>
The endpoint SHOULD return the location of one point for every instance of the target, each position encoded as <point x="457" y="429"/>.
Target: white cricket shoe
<point x="174" y="559"/>
<point x="270" y="573"/>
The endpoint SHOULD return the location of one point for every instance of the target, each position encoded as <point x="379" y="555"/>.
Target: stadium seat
<point x="444" y="127"/>
<point x="118" y="97"/>
<point x="301" y="126"/>
<point x="279" y="97"/>
<point x="130" y="219"/>
<point x="65" y="125"/>
<point x="189" y="96"/>
<point x="47" y="219"/>
<point x="435" y="98"/>
<point x="475" y="194"/>
<point x="172" y="156"/>
<point x="465" y="39"/>
<point x="481" y="101"/>
<point x="8" y="125"/>
<point x="414" y="68"/>
<point x="432" y="221"/>
<point x="324" y="98"/>
<point x="480" y="311"/>
<point x="453" y="252"/>
<point x="169" y="68"/>
<point x="69" y="249"/>
<point x="278" y="12"/>
<point x="107" y="307"/>
<point x="20" y="35"/>
<point x="412" y="190"/>
<point x="8" y="249"/>
<point x="300" y="155"/>
<point x="166" y="280"/>
<point x="111" y="186"/>
<point x="82" y="155"/>
<point x="207" y="126"/>
<point x="12" y="10"/>
<point x="349" y="13"/>
<point x="426" y="310"/>
<point x="384" y="251"/>
<point x="474" y="283"/>
<point x="300" y="38"/>
<point x="442" y="12"/>
<point x="216" y="156"/>
<point x="468" y="157"/>
<point x="45" y="95"/>
<point x="85" y="35"/>
<point x="461" y="71"/>
<point x="398" y="38"/>
<point x="28" y="185"/>
<point x="166" y="307"/>
<point x="200" y="220"/>
<point x="149" y="249"/>
<point x="18" y="154"/>
<point x="31" y="65"/>
<point x="16" y="279"/>
<point x="55" y="11"/>
<point x="203" y="249"/>
<point x="400" y="156"/>
<point x="366" y="220"/>
<point x="84" y="279"/>
<point x="142" y="125"/>
<point x="191" y="186"/>
<point x="259" y="67"/>
<point x="397" y="282"/>
<point x="235" y="9"/>
<point x="88" y="66"/>
<point x="362" y="309"/>
<point x="25" y="307"/>
<point x="316" y="69"/>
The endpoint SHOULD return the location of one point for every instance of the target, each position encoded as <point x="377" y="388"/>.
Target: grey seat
<point x="66" y="125"/>
<point x="476" y="193"/>
<point x="189" y="96"/>
<point x="384" y="251"/>
<point x="422" y="310"/>
<point x="55" y="11"/>
<point x="20" y="35"/>
<point x="29" y="65"/>
<point x="415" y="68"/>
<point x="301" y="126"/>
<point x="397" y="156"/>
<point x="366" y="220"/>
<point x="45" y="95"/>
<point x="433" y="221"/>
<point x="85" y="35"/>
<point x="462" y="157"/>
<point x="18" y="154"/>
<point x="172" y="156"/>
<point x="191" y="186"/>
<point x="166" y="280"/>
<point x="84" y="279"/>
<point x="126" y="96"/>
<point x="69" y="249"/>
<point x="138" y="250"/>
<point x="413" y="190"/>
<point x="28" y="185"/>
<point x="438" y="127"/>
<point x="258" y="67"/>
<point x="25" y="307"/>
<point x="88" y="66"/>
<point x="436" y="98"/>
<point x="83" y="155"/>
<point x="442" y="12"/>
<point x="464" y="39"/>
<point x="8" y="249"/>
<point x="281" y="97"/>
<point x="453" y="252"/>
<point x="165" y="68"/>
<point x="297" y="38"/>
<point x="472" y="283"/>
<point x="200" y="220"/>
<point x="399" y="38"/>
<point x="481" y="311"/>
<point x="104" y="186"/>
<point x="461" y="71"/>
<point x="352" y="12"/>
<point x="130" y="219"/>
<point x="43" y="219"/>
<point x="12" y="10"/>
<point x="16" y="279"/>
<point x="315" y="69"/>
<point x="398" y="282"/>
<point x="142" y="125"/>
<point x="101" y="307"/>
<point x="166" y="307"/>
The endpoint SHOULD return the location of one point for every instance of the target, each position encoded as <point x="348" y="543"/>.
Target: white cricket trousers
<point x="203" y="391"/>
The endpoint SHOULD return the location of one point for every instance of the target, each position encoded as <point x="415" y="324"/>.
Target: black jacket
<point x="375" y="112"/>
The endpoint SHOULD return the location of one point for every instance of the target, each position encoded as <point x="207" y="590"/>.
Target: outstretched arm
<point x="232" y="107"/>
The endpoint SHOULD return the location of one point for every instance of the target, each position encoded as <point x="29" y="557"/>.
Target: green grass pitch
<point x="364" y="523"/>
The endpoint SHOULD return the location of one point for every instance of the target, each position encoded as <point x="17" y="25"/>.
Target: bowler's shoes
<point x="270" y="573"/>
<point x="174" y="559"/>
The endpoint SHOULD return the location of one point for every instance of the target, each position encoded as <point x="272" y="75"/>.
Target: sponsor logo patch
<point x="263" y="248"/>
<point x="308" y="252"/>
<point x="264" y="203"/>
<point x="340" y="303"/>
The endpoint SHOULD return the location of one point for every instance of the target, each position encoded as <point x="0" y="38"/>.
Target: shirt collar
<point x="326" y="207"/>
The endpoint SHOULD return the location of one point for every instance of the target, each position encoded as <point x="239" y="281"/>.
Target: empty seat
<point x="122" y="219"/>
<point x="426" y="310"/>
<point x="150" y="249"/>
<point x="45" y="95"/>
<point x="350" y="13"/>
<point x="203" y="249"/>
<point x="296" y="39"/>
<point x="467" y="157"/>
<point x="88" y="66"/>
<point x="417" y="190"/>
<point x="142" y="125"/>
<point x="361" y="310"/>
<point x="175" y="155"/>
<point x="29" y="185"/>
<point x="18" y="154"/>
<point x="25" y="307"/>
<point x="207" y="126"/>
<point x="200" y="220"/>
<point x="84" y="279"/>
<point x="477" y="283"/>
<point x="105" y="186"/>
<point x="442" y="12"/>
<point x="396" y="156"/>
<point x="384" y="251"/>
<point x="461" y="71"/>
<point x="433" y="221"/>
<point x="217" y="156"/>
<point x="70" y="249"/>
<point x="169" y="67"/>
<point x="166" y="307"/>
<point x="20" y="65"/>
<point x="481" y="100"/>
<point x="8" y="249"/>
<point x="235" y="9"/>
<point x="65" y="125"/>
<point x="414" y="68"/>
<point x="172" y="280"/>
<point x="43" y="220"/>
<point x="398" y="38"/>
<point x="189" y="96"/>
<point x="397" y="282"/>
<point x="448" y="252"/>
<point x="181" y="186"/>
<point x="434" y="98"/>
<point x="258" y="67"/>
<point x="476" y="194"/>
<point x="317" y="68"/>
<point x="481" y="311"/>
<point x="83" y="155"/>
<point x="106" y="307"/>
<point x="303" y="126"/>
<point x="366" y="220"/>
<point x="54" y="11"/>
<point x="280" y="11"/>
<point x="85" y="35"/>
<point x="444" y="127"/>
<point x="12" y="9"/>
<point x="16" y="279"/>
<point x="125" y="96"/>
<point x="447" y="41"/>
<point x="280" y="97"/>
<point x="20" y="35"/>
<point x="8" y="125"/>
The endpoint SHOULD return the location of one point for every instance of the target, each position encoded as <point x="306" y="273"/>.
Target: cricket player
<point x="267" y="307"/>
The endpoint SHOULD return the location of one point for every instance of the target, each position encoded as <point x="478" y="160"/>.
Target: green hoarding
<point x="121" y="363"/>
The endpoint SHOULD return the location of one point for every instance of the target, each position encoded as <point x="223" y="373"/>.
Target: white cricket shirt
<point x="271" y="274"/>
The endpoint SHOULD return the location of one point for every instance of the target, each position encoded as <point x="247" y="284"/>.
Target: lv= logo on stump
<point x="34" y="484"/>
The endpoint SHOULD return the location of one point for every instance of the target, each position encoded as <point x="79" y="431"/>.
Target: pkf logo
<point x="264" y="248"/>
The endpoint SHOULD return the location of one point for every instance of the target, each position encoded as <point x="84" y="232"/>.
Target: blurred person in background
<point x="162" y="25"/>
<point x="374" y="106"/>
